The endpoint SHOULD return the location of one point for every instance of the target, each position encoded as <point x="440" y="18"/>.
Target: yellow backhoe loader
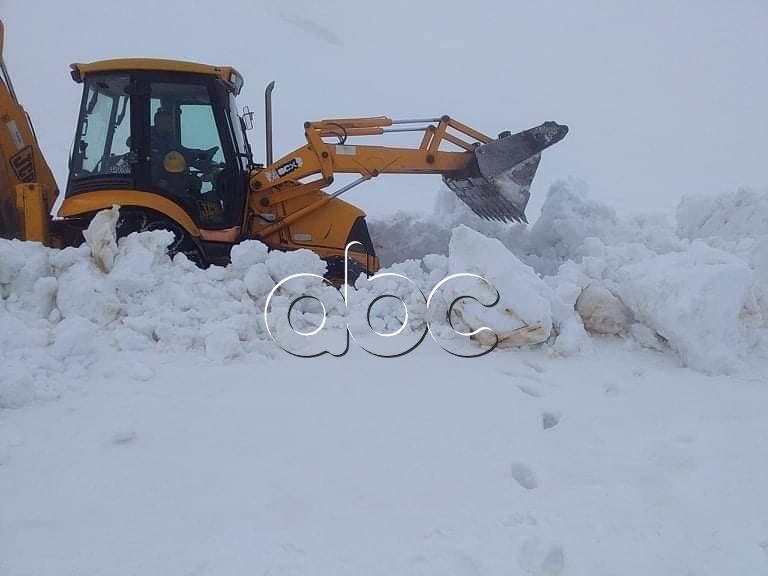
<point x="164" y="140"/>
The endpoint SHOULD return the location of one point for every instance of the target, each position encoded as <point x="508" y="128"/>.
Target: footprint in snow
<point x="535" y="366"/>
<point x="613" y="389"/>
<point x="764" y="546"/>
<point x="123" y="437"/>
<point x="454" y="563"/>
<point x="550" y="420"/>
<point x="541" y="558"/>
<point x="518" y="519"/>
<point x="523" y="475"/>
<point x="532" y="375"/>
<point x="531" y="390"/>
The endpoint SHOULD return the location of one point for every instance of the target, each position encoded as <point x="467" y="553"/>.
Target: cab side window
<point x="105" y="127"/>
<point x="199" y="132"/>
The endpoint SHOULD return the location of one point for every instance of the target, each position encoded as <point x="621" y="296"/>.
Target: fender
<point x="89" y="202"/>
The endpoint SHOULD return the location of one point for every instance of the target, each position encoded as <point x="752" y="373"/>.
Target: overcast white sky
<point x="663" y="99"/>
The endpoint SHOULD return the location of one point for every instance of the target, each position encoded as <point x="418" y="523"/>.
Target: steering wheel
<point x="205" y="157"/>
<point x="204" y="168"/>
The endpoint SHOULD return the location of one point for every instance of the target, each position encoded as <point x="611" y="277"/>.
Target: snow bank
<point x="741" y="216"/>
<point x="523" y="314"/>
<point x="699" y="287"/>
<point x="643" y="277"/>
<point x="704" y="302"/>
<point x="567" y="219"/>
<point x="735" y="222"/>
<point x="695" y="300"/>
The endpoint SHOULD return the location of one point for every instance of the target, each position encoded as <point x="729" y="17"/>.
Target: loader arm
<point x="27" y="188"/>
<point x="479" y="169"/>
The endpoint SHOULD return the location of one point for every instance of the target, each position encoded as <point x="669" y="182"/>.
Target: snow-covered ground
<point x="149" y="425"/>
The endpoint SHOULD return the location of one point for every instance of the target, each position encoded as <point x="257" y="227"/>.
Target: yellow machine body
<point x="164" y="140"/>
<point x="27" y="187"/>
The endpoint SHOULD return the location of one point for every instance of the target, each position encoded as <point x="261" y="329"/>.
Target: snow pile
<point x="483" y="288"/>
<point x="739" y="217"/>
<point x="699" y="288"/>
<point x="702" y="301"/>
<point x="567" y="219"/>
<point x="695" y="300"/>
<point x="643" y="277"/>
<point x="63" y="314"/>
<point x="528" y="311"/>
<point x="68" y="311"/>
<point x="523" y="314"/>
<point x="737" y="223"/>
<point x="407" y="236"/>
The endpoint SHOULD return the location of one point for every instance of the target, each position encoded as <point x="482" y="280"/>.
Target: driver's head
<point x="163" y="122"/>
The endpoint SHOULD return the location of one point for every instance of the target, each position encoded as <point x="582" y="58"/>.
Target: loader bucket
<point x="496" y="186"/>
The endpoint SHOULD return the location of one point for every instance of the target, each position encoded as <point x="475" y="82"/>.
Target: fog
<point x="662" y="100"/>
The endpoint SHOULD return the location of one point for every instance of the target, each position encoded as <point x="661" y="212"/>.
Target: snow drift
<point x="698" y="288"/>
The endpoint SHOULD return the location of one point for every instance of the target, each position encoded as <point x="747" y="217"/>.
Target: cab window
<point x="105" y="128"/>
<point x="198" y="130"/>
<point x="186" y="153"/>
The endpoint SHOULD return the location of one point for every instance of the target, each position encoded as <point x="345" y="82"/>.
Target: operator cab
<point x="165" y="127"/>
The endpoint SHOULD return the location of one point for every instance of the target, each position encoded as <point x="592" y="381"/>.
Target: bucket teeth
<point x="497" y="184"/>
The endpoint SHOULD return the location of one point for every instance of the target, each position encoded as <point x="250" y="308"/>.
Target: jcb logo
<point x="290" y="166"/>
<point x="284" y="169"/>
<point x="23" y="164"/>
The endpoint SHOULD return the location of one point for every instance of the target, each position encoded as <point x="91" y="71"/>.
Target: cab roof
<point x="228" y="74"/>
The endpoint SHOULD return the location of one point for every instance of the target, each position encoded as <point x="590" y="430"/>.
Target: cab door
<point x="192" y="157"/>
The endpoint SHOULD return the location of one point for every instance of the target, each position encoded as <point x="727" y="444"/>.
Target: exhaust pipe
<point x="268" y="120"/>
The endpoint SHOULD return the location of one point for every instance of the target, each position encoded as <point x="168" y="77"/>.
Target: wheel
<point x="145" y="221"/>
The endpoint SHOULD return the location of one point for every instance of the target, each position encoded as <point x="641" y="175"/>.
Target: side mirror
<point x="247" y="118"/>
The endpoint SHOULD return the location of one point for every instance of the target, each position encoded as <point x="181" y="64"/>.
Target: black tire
<point x="145" y="221"/>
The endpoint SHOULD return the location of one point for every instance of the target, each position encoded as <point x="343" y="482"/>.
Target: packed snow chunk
<point x="601" y="311"/>
<point x="742" y="214"/>
<point x="248" y="253"/>
<point x="222" y="344"/>
<point x="281" y="265"/>
<point x="258" y="282"/>
<point x="404" y="236"/>
<point x="21" y="265"/>
<point x="20" y="335"/>
<point x="737" y="223"/>
<point x="17" y="387"/>
<point x="84" y="291"/>
<point x="137" y="263"/>
<point x="694" y="300"/>
<point x="75" y="336"/>
<point x="567" y="219"/>
<point x="101" y="237"/>
<point x="523" y="314"/>
<point x="572" y="338"/>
